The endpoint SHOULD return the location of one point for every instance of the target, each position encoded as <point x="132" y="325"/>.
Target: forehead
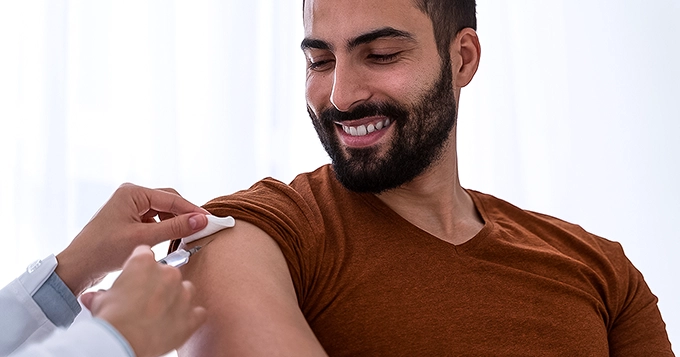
<point x="342" y="19"/>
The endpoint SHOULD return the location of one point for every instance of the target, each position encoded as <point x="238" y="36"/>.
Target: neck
<point x="436" y="202"/>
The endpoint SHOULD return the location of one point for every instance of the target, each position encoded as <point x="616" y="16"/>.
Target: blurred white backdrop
<point x="573" y="113"/>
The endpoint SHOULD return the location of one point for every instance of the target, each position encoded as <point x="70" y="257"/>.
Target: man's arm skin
<point x="242" y="280"/>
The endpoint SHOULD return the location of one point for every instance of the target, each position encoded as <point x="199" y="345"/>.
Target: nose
<point x="350" y="87"/>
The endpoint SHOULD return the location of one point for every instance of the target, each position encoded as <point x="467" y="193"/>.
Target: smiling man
<point x="383" y="253"/>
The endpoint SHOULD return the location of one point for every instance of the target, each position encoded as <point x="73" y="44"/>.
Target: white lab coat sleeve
<point x="32" y="304"/>
<point x="86" y="338"/>
<point x="22" y="321"/>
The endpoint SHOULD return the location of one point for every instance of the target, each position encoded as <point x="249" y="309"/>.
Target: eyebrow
<point x="310" y="43"/>
<point x="385" y="32"/>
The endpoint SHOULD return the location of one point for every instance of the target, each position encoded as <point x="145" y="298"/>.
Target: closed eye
<point x="319" y="65"/>
<point x="388" y="58"/>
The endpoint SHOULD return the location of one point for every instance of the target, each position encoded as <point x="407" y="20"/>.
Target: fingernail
<point x="193" y="222"/>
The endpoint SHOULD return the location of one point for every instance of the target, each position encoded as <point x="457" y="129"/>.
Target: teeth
<point x="362" y="130"/>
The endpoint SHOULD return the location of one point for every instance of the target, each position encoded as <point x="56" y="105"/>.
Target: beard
<point x="421" y="132"/>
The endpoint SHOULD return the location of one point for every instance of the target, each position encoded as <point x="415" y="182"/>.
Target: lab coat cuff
<point x="37" y="273"/>
<point x="57" y="301"/>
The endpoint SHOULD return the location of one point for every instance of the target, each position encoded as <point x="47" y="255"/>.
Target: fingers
<point x="171" y="202"/>
<point x="141" y="250"/>
<point x="165" y="216"/>
<point x="179" y="218"/>
<point x="170" y="190"/>
<point x="176" y="227"/>
<point x="149" y="304"/>
<point x="159" y="200"/>
<point x="148" y="217"/>
<point x="189" y="287"/>
<point x="88" y="298"/>
<point x="141" y="253"/>
<point x="197" y="318"/>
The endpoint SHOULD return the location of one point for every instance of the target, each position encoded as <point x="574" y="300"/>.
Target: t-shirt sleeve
<point x="636" y="328"/>
<point x="284" y="215"/>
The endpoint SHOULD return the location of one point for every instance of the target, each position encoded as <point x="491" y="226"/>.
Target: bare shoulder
<point x="242" y="279"/>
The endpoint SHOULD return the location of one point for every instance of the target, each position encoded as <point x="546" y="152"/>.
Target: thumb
<point x="176" y="227"/>
<point x="88" y="298"/>
<point x="197" y="317"/>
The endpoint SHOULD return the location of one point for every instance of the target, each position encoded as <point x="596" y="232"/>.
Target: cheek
<point x="397" y="87"/>
<point x="403" y="85"/>
<point x="318" y="91"/>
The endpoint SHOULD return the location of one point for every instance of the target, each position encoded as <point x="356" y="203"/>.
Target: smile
<point x="362" y="130"/>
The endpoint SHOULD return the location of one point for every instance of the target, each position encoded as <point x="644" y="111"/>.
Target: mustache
<point x="389" y="110"/>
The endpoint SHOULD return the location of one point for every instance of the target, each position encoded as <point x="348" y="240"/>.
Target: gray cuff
<point x="57" y="301"/>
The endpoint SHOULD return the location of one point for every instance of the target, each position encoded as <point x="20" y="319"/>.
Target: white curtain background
<point x="573" y="113"/>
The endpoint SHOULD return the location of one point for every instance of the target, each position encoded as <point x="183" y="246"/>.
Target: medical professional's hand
<point x="123" y="223"/>
<point x="149" y="305"/>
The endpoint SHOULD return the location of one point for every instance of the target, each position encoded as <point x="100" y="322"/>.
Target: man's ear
<point x="465" y="52"/>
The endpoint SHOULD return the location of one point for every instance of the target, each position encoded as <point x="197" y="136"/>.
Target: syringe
<point x="179" y="257"/>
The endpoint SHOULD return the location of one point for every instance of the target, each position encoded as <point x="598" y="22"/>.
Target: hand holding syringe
<point x="181" y="256"/>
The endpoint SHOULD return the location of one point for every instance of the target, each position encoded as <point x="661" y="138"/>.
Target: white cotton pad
<point x="215" y="224"/>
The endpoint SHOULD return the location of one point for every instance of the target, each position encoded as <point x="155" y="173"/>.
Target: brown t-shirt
<point x="372" y="284"/>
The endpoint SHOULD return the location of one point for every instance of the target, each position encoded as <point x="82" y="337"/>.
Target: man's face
<point x="380" y="97"/>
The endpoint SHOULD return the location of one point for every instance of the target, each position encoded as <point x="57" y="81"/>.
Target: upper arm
<point x="638" y="329"/>
<point x="243" y="281"/>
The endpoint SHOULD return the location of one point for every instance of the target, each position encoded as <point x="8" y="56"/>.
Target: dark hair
<point x="448" y="18"/>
